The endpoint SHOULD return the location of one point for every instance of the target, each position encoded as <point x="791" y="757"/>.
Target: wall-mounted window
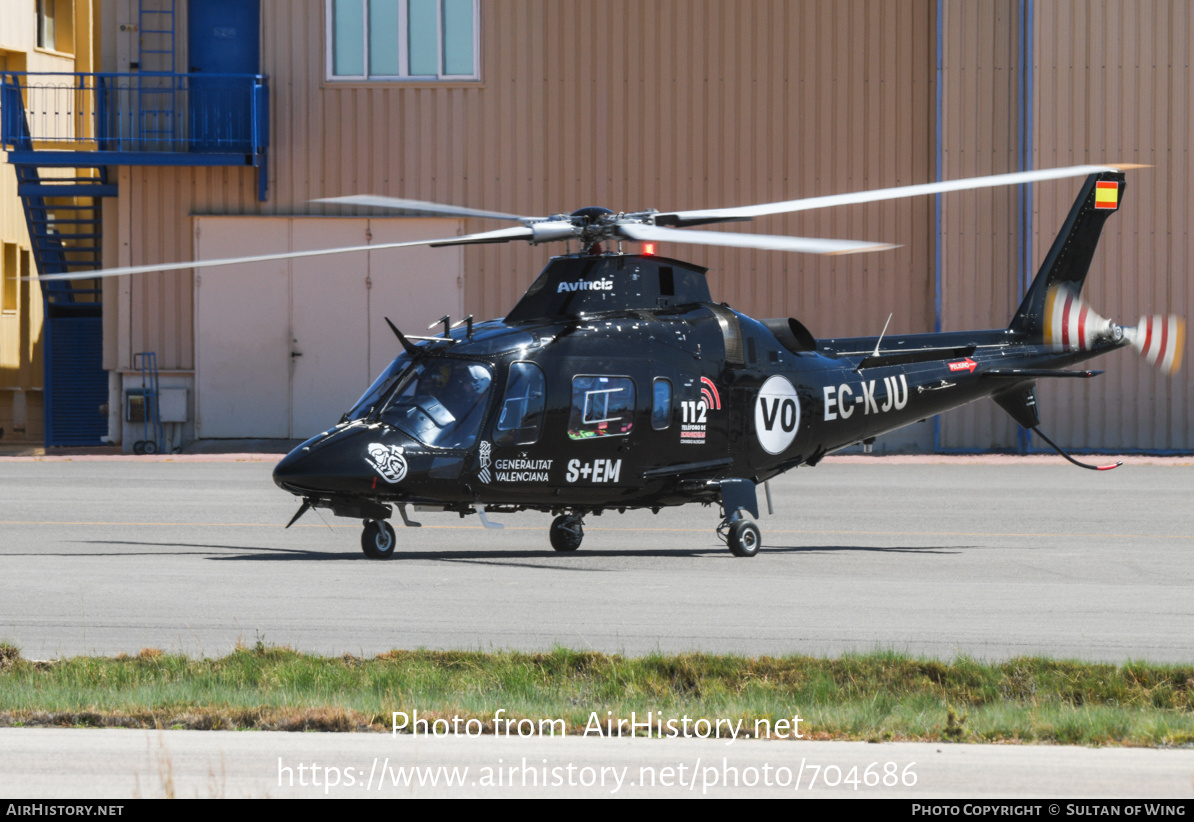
<point x="11" y="278"/>
<point x="403" y="40"/>
<point x="601" y="407"/>
<point x="56" y="25"/>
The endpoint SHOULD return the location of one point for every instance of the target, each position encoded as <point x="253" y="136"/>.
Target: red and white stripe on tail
<point x="1160" y="340"/>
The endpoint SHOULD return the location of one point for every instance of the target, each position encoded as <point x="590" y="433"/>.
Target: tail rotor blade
<point x="1160" y="340"/>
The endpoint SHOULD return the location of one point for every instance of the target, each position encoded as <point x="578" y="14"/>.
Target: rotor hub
<point x="594" y="224"/>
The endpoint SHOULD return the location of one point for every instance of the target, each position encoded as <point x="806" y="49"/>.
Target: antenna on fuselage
<point x="875" y="353"/>
<point x="445" y="320"/>
<point x="410" y="347"/>
<point x="469" y="320"/>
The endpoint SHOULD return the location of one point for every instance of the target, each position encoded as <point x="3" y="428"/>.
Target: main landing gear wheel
<point x="378" y="540"/>
<point x="744" y="538"/>
<point x="566" y="533"/>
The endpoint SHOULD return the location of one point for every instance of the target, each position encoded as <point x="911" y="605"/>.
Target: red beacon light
<point x="648" y="249"/>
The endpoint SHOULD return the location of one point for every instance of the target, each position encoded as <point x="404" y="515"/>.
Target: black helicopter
<point x="616" y="381"/>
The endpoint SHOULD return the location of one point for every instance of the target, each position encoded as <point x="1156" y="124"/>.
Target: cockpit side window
<point x="601" y="407"/>
<point x="521" y="418"/>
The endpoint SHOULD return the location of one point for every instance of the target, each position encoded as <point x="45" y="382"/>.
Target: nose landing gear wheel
<point x="744" y="538"/>
<point x="566" y="533"/>
<point x="378" y="540"/>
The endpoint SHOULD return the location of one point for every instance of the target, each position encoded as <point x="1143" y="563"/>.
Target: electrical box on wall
<point x="134" y="407"/>
<point x="174" y="405"/>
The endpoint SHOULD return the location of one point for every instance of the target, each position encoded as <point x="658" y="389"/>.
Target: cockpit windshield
<point x="440" y="402"/>
<point x="371" y="399"/>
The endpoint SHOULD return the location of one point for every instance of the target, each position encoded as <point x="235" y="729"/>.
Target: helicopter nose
<point x="314" y="465"/>
<point x="352" y="460"/>
<point x="294" y="471"/>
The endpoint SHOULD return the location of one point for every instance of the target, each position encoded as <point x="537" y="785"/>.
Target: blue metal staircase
<point x="62" y="131"/>
<point x="65" y="228"/>
<point x="64" y="217"/>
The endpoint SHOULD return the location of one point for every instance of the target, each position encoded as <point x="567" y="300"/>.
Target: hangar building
<point x="207" y="129"/>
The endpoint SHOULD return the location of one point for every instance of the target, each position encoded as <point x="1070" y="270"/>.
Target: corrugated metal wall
<point x="1110" y="82"/>
<point x="698" y="103"/>
<point x="1114" y="84"/>
<point x="623" y="104"/>
<point x="689" y="105"/>
<point x="979" y="237"/>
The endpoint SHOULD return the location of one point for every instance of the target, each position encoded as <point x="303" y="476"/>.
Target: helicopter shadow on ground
<point x="498" y="556"/>
<point x="880" y="549"/>
<point x="507" y="556"/>
<point x="206" y="549"/>
<point x="501" y="558"/>
<point x="258" y="553"/>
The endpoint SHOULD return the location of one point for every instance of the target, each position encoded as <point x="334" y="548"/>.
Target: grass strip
<point x="876" y="697"/>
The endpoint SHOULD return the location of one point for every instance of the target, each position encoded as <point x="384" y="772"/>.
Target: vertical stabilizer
<point x="1069" y="259"/>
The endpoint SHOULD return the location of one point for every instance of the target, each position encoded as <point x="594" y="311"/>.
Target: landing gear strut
<point x="566" y="533"/>
<point x="378" y="540"/>
<point x="738" y="499"/>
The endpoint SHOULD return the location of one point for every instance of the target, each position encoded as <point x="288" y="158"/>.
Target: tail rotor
<point x="1072" y="325"/>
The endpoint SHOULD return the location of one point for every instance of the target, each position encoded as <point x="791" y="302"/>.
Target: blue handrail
<point x="140" y="112"/>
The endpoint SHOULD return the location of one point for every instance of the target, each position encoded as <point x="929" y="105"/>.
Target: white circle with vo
<point x="777" y="415"/>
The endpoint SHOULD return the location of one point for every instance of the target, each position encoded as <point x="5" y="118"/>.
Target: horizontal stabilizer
<point x="1033" y="373"/>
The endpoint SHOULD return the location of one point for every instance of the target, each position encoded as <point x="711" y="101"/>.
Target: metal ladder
<point x="156" y="54"/>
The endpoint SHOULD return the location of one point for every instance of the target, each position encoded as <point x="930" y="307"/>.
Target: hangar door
<point x="282" y="349"/>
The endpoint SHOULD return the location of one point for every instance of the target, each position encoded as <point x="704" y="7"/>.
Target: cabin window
<point x="601" y="407"/>
<point x="522" y="408"/>
<point x="661" y="409"/>
<point x="402" y="39"/>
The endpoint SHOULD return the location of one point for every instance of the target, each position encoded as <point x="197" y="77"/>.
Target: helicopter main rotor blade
<point x="422" y="207"/>
<point x="771" y="242"/>
<point x="710" y="215"/>
<point x="502" y="235"/>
